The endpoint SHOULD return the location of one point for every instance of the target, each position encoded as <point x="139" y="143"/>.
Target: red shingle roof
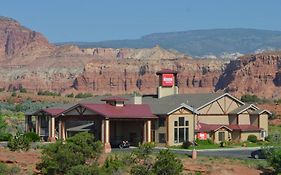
<point x="50" y="111"/>
<point x="128" y="111"/>
<point x="214" y="127"/>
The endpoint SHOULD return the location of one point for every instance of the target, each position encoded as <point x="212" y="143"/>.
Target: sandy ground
<point x="27" y="162"/>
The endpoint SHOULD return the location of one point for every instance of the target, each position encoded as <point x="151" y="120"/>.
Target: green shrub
<point x="4" y="169"/>
<point x="5" y="136"/>
<point x="144" y="150"/>
<point x="113" y="165"/>
<point x="204" y="142"/>
<point x="14" y="94"/>
<point x="252" y="138"/>
<point x="23" y="90"/>
<point x="2" y="89"/>
<point x="141" y="170"/>
<point x="58" y="158"/>
<point x="83" y="95"/>
<point x="32" y="136"/>
<point x="273" y="157"/>
<point x="19" y="142"/>
<point x="69" y="95"/>
<point x="84" y="170"/>
<point x="186" y="144"/>
<point x="48" y="93"/>
<point x="167" y="163"/>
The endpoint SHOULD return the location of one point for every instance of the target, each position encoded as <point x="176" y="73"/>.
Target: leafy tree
<point x="167" y="164"/>
<point x="273" y="156"/>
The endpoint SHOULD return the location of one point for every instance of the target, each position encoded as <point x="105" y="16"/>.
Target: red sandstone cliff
<point x="254" y="74"/>
<point x="27" y="59"/>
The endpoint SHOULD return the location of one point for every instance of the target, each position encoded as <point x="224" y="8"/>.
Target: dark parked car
<point x="118" y="143"/>
<point x="258" y="154"/>
<point x="262" y="153"/>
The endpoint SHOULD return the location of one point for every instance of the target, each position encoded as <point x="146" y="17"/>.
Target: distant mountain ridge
<point x="200" y="42"/>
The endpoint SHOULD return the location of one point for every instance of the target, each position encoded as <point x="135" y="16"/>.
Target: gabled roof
<point x="128" y="111"/>
<point x="260" y="111"/>
<point x="192" y="110"/>
<point x="50" y="111"/>
<point x="220" y="95"/>
<point x="243" y="108"/>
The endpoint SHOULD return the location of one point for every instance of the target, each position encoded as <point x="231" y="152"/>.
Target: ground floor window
<point x="162" y="138"/>
<point x="221" y="136"/>
<point x="181" y="130"/>
<point x="263" y="134"/>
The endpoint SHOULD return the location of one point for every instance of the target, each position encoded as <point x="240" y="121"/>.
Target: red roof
<point x="113" y="98"/>
<point x="50" y="111"/>
<point x="128" y="111"/>
<point x="214" y="127"/>
<point x="166" y="71"/>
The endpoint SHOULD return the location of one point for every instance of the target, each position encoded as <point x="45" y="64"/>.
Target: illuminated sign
<point x="202" y="136"/>
<point x="167" y="80"/>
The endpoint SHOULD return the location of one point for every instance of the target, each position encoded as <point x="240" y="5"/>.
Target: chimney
<point x="137" y="100"/>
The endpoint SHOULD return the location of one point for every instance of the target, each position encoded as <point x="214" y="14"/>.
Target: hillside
<point x="201" y="42"/>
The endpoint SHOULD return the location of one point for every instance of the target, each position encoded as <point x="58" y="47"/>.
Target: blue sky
<point x="93" y="20"/>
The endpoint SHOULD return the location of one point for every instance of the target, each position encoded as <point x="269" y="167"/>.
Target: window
<point x="221" y="136"/>
<point x="263" y="134"/>
<point x="162" y="138"/>
<point x="181" y="130"/>
<point x="181" y="121"/>
<point x="161" y="122"/>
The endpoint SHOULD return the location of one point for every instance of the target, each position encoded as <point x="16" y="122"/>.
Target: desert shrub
<point x="19" y="142"/>
<point x="141" y="170"/>
<point x="84" y="170"/>
<point x="22" y="90"/>
<point x="186" y="144"/>
<point x="2" y="89"/>
<point x="32" y="136"/>
<point x="14" y="94"/>
<point x="113" y="165"/>
<point x="273" y="157"/>
<point x="69" y="95"/>
<point x="6" y="170"/>
<point x="58" y="158"/>
<point x="5" y="136"/>
<point x="167" y="163"/>
<point x="83" y="95"/>
<point x="252" y="138"/>
<point x="144" y="150"/>
<point x="48" y="93"/>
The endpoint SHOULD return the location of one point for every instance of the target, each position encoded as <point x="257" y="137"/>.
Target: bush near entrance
<point x="252" y="138"/>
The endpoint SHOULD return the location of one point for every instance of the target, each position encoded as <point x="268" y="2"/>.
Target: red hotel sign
<point x="167" y="79"/>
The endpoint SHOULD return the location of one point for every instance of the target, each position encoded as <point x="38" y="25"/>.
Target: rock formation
<point x="28" y="60"/>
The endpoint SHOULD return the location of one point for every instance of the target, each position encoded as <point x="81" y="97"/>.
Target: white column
<point x="50" y="127"/>
<point x="149" y="131"/>
<point x="38" y="125"/>
<point x="107" y="131"/>
<point x="53" y="127"/>
<point x="26" y="124"/>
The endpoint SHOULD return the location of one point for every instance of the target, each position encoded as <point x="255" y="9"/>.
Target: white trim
<point x="264" y="110"/>
<point x="223" y="95"/>
<point x="183" y="105"/>
<point x="222" y="127"/>
<point x="250" y="106"/>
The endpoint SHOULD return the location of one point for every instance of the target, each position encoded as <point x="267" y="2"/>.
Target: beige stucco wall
<point x="264" y="122"/>
<point x="222" y="106"/>
<point x="174" y="117"/>
<point x="212" y="119"/>
<point x="235" y="136"/>
<point x="244" y="119"/>
<point x="166" y="91"/>
<point x="244" y="135"/>
<point x="158" y="130"/>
